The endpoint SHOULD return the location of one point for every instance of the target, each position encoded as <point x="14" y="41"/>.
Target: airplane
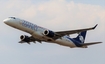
<point x="40" y="34"/>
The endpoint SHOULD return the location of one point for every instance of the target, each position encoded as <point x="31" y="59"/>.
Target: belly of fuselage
<point x="64" y="43"/>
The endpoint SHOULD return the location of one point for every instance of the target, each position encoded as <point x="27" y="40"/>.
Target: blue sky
<point x="93" y="2"/>
<point x="55" y="15"/>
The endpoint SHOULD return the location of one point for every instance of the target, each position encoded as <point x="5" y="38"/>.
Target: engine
<point x="49" y="33"/>
<point x="25" y="38"/>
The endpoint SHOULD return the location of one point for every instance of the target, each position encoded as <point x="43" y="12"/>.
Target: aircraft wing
<point x="62" y="33"/>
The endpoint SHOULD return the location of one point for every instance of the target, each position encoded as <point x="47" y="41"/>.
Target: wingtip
<point x="95" y="26"/>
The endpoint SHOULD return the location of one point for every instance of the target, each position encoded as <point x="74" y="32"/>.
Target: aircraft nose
<point x="6" y="21"/>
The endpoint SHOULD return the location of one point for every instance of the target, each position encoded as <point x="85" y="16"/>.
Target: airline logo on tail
<point x="81" y="39"/>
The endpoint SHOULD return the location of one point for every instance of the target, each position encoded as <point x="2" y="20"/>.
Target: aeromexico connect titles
<point x="41" y="34"/>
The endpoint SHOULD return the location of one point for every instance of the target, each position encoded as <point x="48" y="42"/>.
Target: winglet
<point x="95" y="26"/>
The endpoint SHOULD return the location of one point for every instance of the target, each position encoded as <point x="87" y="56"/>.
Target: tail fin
<point x="81" y="37"/>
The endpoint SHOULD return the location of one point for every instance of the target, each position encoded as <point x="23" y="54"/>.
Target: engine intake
<point x="49" y="33"/>
<point x="25" y="38"/>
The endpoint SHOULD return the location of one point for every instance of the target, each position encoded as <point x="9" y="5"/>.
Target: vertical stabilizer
<point x="81" y="37"/>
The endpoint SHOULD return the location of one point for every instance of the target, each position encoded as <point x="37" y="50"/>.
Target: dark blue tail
<point x="81" y="37"/>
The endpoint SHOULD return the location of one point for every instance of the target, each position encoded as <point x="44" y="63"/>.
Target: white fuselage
<point x="37" y="31"/>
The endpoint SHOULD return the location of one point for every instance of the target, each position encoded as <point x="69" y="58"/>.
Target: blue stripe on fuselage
<point x="75" y="42"/>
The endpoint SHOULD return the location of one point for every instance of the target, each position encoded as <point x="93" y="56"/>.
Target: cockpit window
<point x="12" y="17"/>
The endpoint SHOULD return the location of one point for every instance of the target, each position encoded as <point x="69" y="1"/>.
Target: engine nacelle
<point x="25" y="38"/>
<point x="49" y="33"/>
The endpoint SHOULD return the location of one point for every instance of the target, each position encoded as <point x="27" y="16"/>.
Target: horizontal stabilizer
<point x="87" y="44"/>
